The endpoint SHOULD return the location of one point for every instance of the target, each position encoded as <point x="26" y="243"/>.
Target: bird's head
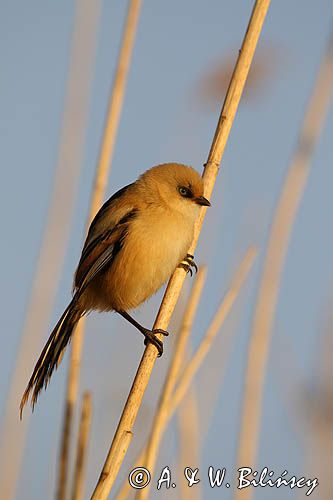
<point x="177" y="186"/>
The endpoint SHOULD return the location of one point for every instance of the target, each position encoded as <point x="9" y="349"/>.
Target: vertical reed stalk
<point x="171" y="295"/>
<point x="100" y="183"/>
<point x="189" y="441"/>
<point x="55" y="237"/>
<point x="282" y="225"/>
<point x="82" y="447"/>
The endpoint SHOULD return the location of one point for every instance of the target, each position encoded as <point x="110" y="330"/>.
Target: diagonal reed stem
<point x="181" y="343"/>
<point x="185" y="379"/>
<point x="179" y="352"/>
<point x="194" y="364"/>
<point x="282" y="226"/>
<point x="100" y="183"/>
<point x="171" y="295"/>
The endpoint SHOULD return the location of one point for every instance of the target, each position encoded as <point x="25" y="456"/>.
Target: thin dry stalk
<point x="277" y="248"/>
<point x="115" y="106"/>
<point x="82" y="447"/>
<point x="181" y="342"/>
<point x="188" y="427"/>
<point x="171" y="295"/>
<point x="56" y="233"/>
<point x="189" y="440"/>
<point x="219" y="318"/>
<point x="194" y="364"/>
<point x="179" y="352"/>
<point x="100" y="183"/>
<point x="315" y="414"/>
<point x="121" y="447"/>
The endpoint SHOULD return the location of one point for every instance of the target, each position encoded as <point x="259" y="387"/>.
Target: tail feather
<point x="52" y="353"/>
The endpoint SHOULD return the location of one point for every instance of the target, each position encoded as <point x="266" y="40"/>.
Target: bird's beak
<point x="201" y="200"/>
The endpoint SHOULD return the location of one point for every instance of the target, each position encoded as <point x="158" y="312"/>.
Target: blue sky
<point x="161" y="121"/>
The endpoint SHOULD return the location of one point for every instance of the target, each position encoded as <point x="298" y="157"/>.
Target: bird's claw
<point x="160" y="331"/>
<point x="188" y="263"/>
<point x="150" y="336"/>
<point x="186" y="267"/>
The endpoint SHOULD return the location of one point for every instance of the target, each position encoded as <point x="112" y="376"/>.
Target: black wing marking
<point x="106" y="205"/>
<point x="87" y="250"/>
<point x="100" y="263"/>
<point x="107" y="234"/>
<point x="117" y="237"/>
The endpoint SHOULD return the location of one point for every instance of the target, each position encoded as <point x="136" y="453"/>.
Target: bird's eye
<point x="184" y="191"/>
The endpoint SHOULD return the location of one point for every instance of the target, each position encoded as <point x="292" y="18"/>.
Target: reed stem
<point x="173" y="290"/>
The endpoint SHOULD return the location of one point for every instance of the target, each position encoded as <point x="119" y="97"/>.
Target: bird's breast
<point x="155" y="244"/>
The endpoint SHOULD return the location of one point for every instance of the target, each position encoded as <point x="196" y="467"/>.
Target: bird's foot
<point x="150" y="336"/>
<point x="188" y="263"/>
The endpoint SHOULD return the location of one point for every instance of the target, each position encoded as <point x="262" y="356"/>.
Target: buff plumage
<point x="135" y="242"/>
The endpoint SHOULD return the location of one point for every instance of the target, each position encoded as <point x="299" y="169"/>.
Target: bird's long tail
<point x="52" y="353"/>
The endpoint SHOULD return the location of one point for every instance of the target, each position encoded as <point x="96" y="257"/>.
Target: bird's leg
<point x="187" y="263"/>
<point x="150" y="335"/>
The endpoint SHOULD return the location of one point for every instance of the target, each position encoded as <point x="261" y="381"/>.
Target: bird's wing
<point x="99" y="253"/>
<point x="105" y="234"/>
<point x="110" y="213"/>
<point x="106" y="253"/>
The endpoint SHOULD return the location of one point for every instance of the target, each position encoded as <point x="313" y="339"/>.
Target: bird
<point x="134" y="243"/>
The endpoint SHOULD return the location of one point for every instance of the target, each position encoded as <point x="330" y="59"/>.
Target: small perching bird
<point x="134" y="244"/>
